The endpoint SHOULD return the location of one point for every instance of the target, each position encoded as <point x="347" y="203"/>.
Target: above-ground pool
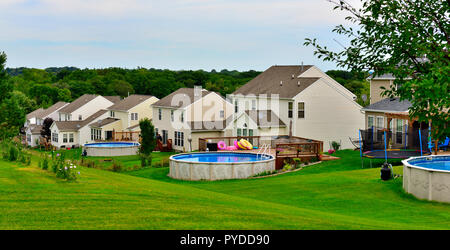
<point x="111" y="148"/>
<point x="428" y="177"/>
<point x="219" y="165"/>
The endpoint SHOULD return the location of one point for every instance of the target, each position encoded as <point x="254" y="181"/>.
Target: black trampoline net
<point x="407" y="139"/>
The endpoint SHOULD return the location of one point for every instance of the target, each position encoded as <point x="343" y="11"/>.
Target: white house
<point x="39" y="115"/>
<point x="83" y="107"/>
<point x="301" y="99"/>
<point x="188" y="114"/>
<point x="69" y="134"/>
<point x="35" y="119"/>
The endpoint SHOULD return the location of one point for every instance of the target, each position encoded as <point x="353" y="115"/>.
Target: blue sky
<point x="169" y="34"/>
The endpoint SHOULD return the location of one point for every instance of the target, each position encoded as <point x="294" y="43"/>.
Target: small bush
<point x="67" y="172"/>
<point x="45" y="163"/>
<point x="265" y="173"/>
<point x="335" y="145"/>
<point x="116" y="166"/>
<point x="13" y="153"/>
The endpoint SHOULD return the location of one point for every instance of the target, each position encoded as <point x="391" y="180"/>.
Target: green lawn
<point x="330" y="195"/>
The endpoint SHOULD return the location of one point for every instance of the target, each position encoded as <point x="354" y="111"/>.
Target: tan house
<point x="388" y="114"/>
<point x="302" y="99"/>
<point x="130" y="110"/>
<point x="188" y="114"/>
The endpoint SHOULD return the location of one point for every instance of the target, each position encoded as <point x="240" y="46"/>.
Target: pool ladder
<point x="263" y="150"/>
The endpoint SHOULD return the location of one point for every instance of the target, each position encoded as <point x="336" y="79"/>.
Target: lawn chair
<point x="445" y="144"/>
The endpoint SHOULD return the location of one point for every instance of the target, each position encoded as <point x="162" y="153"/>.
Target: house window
<point x="179" y="139"/>
<point x="290" y="109"/>
<point x="112" y="113"/>
<point x="222" y="114"/>
<point x="54" y="137"/>
<point x="370" y="122"/>
<point x="134" y="116"/>
<point x="253" y="104"/>
<point x="236" y="107"/>
<point x="96" y="134"/>
<point x="71" y="137"/>
<point x="29" y="138"/>
<point x="399" y="131"/>
<point x="80" y="117"/>
<point x="239" y="132"/>
<point x="159" y="114"/>
<point x="380" y="122"/>
<point x="64" y="138"/>
<point x="182" y="117"/>
<point x="301" y="110"/>
<point x="171" y="115"/>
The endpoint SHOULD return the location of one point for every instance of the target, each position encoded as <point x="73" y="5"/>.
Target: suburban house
<point x="38" y="116"/>
<point x="300" y="100"/>
<point x="130" y="110"/>
<point x="188" y="114"/>
<point x="35" y="119"/>
<point x="83" y="107"/>
<point x="69" y="134"/>
<point x="388" y="114"/>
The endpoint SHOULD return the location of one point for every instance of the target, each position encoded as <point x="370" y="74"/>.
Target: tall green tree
<point x="408" y="39"/>
<point x="148" y="141"/>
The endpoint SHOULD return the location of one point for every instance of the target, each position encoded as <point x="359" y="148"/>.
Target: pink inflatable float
<point x="221" y="145"/>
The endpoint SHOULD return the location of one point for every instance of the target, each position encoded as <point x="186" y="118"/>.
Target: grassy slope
<point x="332" y="195"/>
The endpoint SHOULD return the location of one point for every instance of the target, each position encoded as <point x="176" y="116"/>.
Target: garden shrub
<point x="335" y="145"/>
<point x="116" y="166"/>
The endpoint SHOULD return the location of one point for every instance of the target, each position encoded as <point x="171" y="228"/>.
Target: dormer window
<point x="80" y="117"/>
<point x="112" y="113"/>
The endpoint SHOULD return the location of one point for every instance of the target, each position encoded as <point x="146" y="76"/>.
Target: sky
<point x="167" y="34"/>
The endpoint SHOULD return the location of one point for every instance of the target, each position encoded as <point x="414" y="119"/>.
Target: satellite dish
<point x="364" y="97"/>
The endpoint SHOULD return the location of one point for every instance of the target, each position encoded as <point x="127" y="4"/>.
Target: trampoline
<point x="393" y="154"/>
<point x="380" y="143"/>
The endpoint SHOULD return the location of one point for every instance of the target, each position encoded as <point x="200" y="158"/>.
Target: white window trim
<point x="370" y="116"/>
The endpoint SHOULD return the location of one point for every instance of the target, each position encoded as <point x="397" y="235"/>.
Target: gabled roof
<point x="181" y="98"/>
<point x="103" y="122"/>
<point x="53" y="108"/>
<point x="76" y="125"/>
<point x="265" y="118"/>
<point x="36" y="129"/>
<point x="389" y="104"/>
<point x="113" y="98"/>
<point x="34" y="113"/>
<point x="130" y="102"/>
<point x="78" y="103"/>
<point x="281" y="80"/>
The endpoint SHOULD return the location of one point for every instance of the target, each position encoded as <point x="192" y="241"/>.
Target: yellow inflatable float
<point x="244" y="144"/>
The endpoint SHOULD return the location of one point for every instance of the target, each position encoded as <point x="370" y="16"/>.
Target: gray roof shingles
<point x="281" y="80"/>
<point x="390" y="104"/>
<point x="79" y="102"/>
<point x="76" y="125"/>
<point x="129" y="102"/>
<point x="185" y="95"/>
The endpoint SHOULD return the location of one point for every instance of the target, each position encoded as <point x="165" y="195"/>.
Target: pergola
<point x="402" y="116"/>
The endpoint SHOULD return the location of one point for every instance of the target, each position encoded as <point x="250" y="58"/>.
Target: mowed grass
<point x="330" y="195"/>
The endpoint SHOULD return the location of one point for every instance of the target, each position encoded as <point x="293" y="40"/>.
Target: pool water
<point x="438" y="163"/>
<point x="112" y="144"/>
<point x="222" y="157"/>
